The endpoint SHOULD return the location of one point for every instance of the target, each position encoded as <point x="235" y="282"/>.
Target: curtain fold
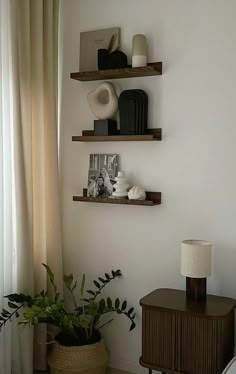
<point x="6" y="178"/>
<point x="34" y="163"/>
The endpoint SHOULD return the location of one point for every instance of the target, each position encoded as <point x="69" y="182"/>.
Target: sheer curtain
<point x="30" y="231"/>
<point x="6" y="179"/>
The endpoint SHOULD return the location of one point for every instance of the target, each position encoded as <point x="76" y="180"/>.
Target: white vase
<point x="103" y="101"/>
<point x="121" y="186"/>
<point x="139" y="51"/>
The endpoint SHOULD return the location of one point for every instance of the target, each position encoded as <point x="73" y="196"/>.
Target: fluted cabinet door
<point x="179" y="337"/>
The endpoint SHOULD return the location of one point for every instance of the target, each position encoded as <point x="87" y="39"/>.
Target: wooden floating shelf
<point x="88" y="136"/>
<point x="153" y="68"/>
<point x="152" y="199"/>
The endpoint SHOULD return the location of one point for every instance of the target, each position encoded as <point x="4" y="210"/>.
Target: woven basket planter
<point x="87" y="359"/>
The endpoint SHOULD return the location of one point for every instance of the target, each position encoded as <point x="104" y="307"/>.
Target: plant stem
<point x="2" y="323"/>
<point x="100" y="289"/>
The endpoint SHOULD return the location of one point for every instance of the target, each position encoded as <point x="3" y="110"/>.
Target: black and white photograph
<point x="103" y="168"/>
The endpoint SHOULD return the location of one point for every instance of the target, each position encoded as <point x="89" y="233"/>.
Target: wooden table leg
<point x="149" y="371"/>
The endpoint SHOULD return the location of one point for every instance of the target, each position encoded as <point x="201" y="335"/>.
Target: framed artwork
<point x="103" y="168"/>
<point x="91" y="41"/>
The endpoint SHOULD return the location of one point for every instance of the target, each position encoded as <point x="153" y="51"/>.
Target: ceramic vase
<point x="121" y="186"/>
<point x="139" y="51"/>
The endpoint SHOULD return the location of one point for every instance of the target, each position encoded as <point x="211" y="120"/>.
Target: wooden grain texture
<point x="152" y="199"/>
<point x="175" y="340"/>
<point x="88" y="136"/>
<point x="152" y="69"/>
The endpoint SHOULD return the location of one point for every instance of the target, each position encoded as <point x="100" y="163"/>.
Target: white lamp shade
<point x="196" y="258"/>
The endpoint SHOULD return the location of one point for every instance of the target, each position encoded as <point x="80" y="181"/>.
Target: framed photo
<point x="103" y="168"/>
<point x="91" y="41"/>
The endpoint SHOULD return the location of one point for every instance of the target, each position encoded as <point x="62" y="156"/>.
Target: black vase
<point x="133" y="109"/>
<point x="114" y="60"/>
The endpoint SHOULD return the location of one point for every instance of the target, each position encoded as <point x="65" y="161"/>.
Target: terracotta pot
<point x="86" y="359"/>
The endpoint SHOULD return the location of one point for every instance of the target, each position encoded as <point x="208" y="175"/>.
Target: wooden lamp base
<point x="196" y="288"/>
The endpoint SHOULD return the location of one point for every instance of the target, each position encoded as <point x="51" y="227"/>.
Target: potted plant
<point x="80" y="348"/>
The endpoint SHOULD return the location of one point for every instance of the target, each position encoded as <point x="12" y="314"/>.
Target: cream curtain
<point x="36" y="205"/>
<point x="6" y="179"/>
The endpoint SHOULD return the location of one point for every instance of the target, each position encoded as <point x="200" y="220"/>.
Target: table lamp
<point x="196" y="265"/>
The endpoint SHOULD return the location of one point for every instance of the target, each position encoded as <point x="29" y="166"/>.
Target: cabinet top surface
<point x="170" y="299"/>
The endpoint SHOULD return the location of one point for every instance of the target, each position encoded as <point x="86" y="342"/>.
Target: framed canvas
<point x="103" y="168"/>
<point x="91" y="41"/>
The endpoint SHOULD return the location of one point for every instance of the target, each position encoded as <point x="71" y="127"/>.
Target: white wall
<point x="194" y="166"/>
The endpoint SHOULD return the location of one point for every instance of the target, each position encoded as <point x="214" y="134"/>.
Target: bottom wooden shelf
<point x="152" y="199"/>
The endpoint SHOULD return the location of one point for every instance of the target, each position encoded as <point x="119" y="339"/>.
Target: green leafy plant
<point x="80" y="327"/>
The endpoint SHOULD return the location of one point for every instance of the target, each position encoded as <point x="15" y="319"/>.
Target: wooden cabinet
<point x="179" y="336"/>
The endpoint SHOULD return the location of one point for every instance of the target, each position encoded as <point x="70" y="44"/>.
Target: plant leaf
<point x="107" y="276"/>
<point x="4" y="311"/>
<point x="132" y="326"/>
<point x="130" y="311"/>
<point x="49" y="272"/>
<point x="124" y="305"/>
<point x="109" y="302"/>
<point x="97" y="284"/>
<point x="117" y="303"/>
<point x="102" y="280"/>
<point x="12" y="305"/>
<point x="91" y="292"/>
<point x="102" y="305"/>
<point x="74" y="287"/>
<point x="82" y="285"/>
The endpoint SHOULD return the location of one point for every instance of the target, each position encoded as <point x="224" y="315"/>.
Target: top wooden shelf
<point x="153" y="68"/>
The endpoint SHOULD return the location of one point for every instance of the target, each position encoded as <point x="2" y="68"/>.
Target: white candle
<point x="139" y="51"/>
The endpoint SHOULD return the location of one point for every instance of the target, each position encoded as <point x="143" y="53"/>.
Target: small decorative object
<point x="139" y="51"/>
<point x="114" y="60"/>
<point x="137" y="193"/>
<point x="103" y="101"/>
<point x="133" y="108"/>
<point x="91" y="41"/>
<point x="121" y="185"/>
<point x="105" y="127"/>
<point x="80" y="348"/>
<point x="111" y="60"/>
<point x="196" y="265"/>
<point x="103" y="169"/>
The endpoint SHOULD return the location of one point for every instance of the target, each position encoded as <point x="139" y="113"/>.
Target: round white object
<point x="103" y="101"/>
<point x="137" y="193"/>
